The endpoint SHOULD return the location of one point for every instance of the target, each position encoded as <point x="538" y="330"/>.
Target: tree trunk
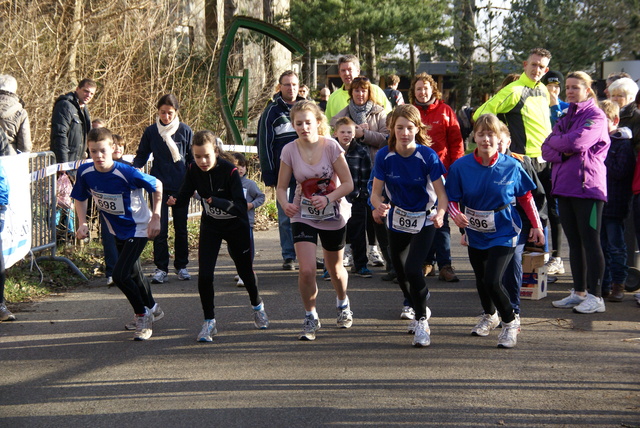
<point x="412" y="59"/>
<point x="372" y="63"/>
<point x="75" y="31"/>
<point x="467" y="31"/>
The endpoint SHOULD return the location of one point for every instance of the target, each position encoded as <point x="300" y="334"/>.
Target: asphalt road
<point x="68" y="362"/>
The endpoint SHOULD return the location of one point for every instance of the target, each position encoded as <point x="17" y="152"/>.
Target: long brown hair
<point x="426" y="78"/>
<point x="411" y="113"/>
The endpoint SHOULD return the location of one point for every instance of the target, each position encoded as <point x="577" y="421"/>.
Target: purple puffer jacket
<point x="577" y="148"/>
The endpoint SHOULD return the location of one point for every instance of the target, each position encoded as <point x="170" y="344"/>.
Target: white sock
<point x="342" y="303"/>
<point x="312" y="314"/>
<point x="259" y="307"/>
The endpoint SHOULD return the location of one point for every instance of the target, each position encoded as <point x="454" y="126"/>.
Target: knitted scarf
<point x="359" y="113"/>
<point x="166" y="131"/>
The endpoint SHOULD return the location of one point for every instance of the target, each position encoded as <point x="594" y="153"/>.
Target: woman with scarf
<point x="170" y="142"/>
<point x="368" y="114"/>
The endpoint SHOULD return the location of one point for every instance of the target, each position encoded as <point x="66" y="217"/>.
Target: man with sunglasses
<point x="349" y="69"/>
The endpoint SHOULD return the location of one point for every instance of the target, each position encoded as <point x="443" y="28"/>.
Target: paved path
<point x="67" y="362"/>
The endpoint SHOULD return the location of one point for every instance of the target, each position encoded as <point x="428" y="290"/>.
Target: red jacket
<point x="444" y="130"/>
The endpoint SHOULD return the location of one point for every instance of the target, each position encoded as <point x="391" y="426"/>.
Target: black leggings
<point x="407" y="253"/>
<point x="489" y="266"/>
<point x="236" y="234"/>
<point x="128" y="276"/>
<point x="581" y="220"/>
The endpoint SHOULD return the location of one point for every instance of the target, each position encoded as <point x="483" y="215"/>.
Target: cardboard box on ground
<point x="534" y="275"/>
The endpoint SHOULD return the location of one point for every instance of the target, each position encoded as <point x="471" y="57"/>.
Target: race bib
<point x="109" y="203"/>
<point x="308" y="211"/>
<point x="215" y="212"/>
<point x="481" y="221"/>
<point x="407" y="221"/>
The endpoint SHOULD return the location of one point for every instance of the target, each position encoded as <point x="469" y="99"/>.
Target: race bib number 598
<point x="109" y="203"/>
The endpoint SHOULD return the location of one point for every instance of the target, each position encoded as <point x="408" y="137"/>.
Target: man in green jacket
<point x="523" y="106"/>
<point x="349" y="69"/>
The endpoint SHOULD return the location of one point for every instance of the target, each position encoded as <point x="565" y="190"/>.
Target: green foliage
<point x="331" y="26"/>
<point x="578" y="33"/>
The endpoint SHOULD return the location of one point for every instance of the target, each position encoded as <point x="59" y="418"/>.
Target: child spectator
<point x="620" y="163"/>
<point x="254" y="198"/>
<point x="359" y="162"/>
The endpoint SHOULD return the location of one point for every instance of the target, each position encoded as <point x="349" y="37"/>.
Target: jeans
<point x="615" y="251"/>
<point x="440" y="251"/>
<point x="160" y="243"/>
<point x="284" y="227"/>
<point x="357" y="233"/>
<point x="110" y="249"/>
<point x="512" y="278"/>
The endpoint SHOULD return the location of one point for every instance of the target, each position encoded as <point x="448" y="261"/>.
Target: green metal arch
<point x="287" y="40"/>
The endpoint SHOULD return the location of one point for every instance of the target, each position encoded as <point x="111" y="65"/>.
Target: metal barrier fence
<point x="44" y="206"/>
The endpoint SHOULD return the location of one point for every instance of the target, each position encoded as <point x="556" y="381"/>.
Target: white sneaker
<point x="486" y="323"/>
<point x="159" y="276"/>
<point x="347" y="259"/>
<point x="637" y="297"/>
<point x="422" y="334"/>
<point x="260" y="319"/>
<point x="157" y="312"/>
<point x="590" y="305"/>
<point x="309" y="328"/>
<point x="407" y="313"/>
<point x="555" y="266"/>
<point x="411" y="329"/>
<point x="240" y="282"/>
<point x="236" y="278"/>
<point x="508" y="336"/>
<point x="570" y="301"/>
<point x="144" y="326"/>
<point x="208" y="329"/>
<point x="374" y="256"/>
<point x="183" y="274"/>
<point x="5" y="314"/>
<point x="110" y="281"/>
<point x="345" y="317"/>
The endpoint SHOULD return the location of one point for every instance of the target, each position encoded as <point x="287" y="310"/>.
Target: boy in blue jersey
<point x="116" y="189"/>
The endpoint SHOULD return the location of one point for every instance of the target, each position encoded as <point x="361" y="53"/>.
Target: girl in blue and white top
<point x="411" y="173"/>
<point x="117" y="189"/>
<point x="488" y="183"/>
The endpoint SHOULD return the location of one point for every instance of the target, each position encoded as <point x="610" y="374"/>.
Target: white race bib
<point x="481" y="221"/>
<point x="308" y="211"/>
<point x="407" y="221"/>
<point x="109" y="203"/>
<point x="215" y="212"/>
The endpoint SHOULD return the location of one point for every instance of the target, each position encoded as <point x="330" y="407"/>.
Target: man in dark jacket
<point x="274" y="132"/>
<point x="70" y="123"/>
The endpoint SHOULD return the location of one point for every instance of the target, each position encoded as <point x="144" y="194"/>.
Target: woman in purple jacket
<point x="577" y="148"/>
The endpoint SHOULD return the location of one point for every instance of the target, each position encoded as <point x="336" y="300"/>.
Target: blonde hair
<point x="489" y="122"/>
<point x="412" y="114"/>
<point x="310" y="106"/>
<point x="610" y="109"/>
<point x="585" y="79"/>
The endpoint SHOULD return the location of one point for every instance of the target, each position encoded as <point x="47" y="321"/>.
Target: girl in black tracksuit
<point x="225" y="217"/>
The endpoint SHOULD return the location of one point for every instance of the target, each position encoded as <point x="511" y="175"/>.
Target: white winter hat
<point x="8" y="83"/>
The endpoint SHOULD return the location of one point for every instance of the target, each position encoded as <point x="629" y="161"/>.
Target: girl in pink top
<point x="319" y="208"/>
